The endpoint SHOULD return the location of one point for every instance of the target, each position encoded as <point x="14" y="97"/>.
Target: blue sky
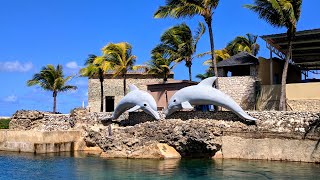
<point x="35" y="33"/>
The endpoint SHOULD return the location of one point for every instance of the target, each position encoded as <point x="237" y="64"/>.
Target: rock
<point x="155" y="151"/>
<point x="218" y="155"/>
<point x="39" y="121"/>
<point x="151" y="151"/>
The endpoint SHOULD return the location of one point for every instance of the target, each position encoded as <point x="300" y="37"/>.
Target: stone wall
<point x="312" y="105"/>
<point x="240" y="88"/>
<point x="39" y="142"/>
<point x="114" y="87"/>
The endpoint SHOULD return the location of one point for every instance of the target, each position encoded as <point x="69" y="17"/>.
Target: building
<point x="255" y="82"/>
<point x="162" y="92"/>
<point x="113" y="88"/>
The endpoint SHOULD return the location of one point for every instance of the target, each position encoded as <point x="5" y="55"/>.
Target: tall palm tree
<point x="190" y="8"/>
<point x="121" y="59"/>
<point x="52" y="79"/>
<point x="179" y="43"/>
<point x="96" y="66"/>
<point x="280" y="13"/>
<point x="160" y="63"/>
<point x="246" y="43"/>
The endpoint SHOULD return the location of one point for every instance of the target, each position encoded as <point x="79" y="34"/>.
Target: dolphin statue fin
<point x="186" y="105"/>
<point x="132" y="87"/>
<point x="208" y="81"/>
<point x="134" y="108"/>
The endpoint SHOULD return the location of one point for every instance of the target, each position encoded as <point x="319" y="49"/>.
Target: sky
<point x="35" y="33"/>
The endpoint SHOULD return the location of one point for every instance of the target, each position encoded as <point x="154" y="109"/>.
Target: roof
<point x="242" y="58"/>
<point x="306" y="47"/>
<point x="172" y="81"/>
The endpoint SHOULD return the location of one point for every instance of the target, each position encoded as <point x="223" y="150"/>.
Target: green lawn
<point x="4" y="123"/>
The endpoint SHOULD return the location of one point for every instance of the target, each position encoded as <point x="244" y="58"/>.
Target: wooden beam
<point x="299" y="42"/>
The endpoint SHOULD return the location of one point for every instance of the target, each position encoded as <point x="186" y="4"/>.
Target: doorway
<point x="109" y="103"/>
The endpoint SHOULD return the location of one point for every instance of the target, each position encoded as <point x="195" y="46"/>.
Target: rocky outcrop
<point x="39" y="121"/>
<point x="191" y="138"/>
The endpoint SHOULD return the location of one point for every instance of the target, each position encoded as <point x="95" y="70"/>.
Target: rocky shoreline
<point x="191" y="134"/>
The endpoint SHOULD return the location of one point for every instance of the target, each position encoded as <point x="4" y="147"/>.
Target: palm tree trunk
<point x="165" y="78"/>
<point x="54" y="101"/>
<point x="101" y="93"/>
<point x="124" y="84"/>
<point x="283" y="97"/>
<point x="214" y="62"/>
<point x="190" y="75"/>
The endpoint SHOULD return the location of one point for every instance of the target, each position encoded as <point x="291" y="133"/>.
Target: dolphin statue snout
<point x="136" y="99"/>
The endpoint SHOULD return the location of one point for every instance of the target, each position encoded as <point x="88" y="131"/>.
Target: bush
<point x="4" y="123"/>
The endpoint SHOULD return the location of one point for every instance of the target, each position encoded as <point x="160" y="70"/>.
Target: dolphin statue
<point x="134" y="100"/>
<point x="204" y="94"/>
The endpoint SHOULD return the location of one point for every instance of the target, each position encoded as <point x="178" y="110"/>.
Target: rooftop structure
<point x="305" y="50"/>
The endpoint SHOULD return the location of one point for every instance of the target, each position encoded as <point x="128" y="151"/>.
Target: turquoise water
<point x="79" y="166"/>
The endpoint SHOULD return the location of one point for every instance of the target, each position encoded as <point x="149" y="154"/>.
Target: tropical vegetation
<point x="190" y="8"/>
<point x="280" y="13"/>
<point x="51" y="78"/>
<point x="96" y="66"/>
<point x="179" y="43"/>
<point x="246" y="43"/>
<point x="121" y="60"/>
<point x="160" y="64"/>
<point x="4" y="123"/>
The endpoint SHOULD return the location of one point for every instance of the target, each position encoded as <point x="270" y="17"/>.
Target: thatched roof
<point x="240" y="59"/>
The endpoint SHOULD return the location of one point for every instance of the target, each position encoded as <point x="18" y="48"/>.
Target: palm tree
<point x="246" y="43"/>
<point x="160" y="63"/>
<point x="220" y="55"/>
<point x="179" y="43"/>
<point x="190" y="8"/>
<point x="207" y="74"/>
<point x="280" y="13"/>
<point x="121" y="59"/>
<point x="52" y="79"/>
<point x="96" y="66"/>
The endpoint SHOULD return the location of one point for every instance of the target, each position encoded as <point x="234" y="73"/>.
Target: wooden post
<point x="271" y="67"/>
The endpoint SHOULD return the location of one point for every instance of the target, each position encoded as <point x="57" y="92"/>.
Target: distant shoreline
<point x="5" y="117"/>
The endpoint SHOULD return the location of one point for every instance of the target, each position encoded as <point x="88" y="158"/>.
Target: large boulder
<point x="39" y="121"/>
<point x="191" y="138"/>
<point x="151" y="151"/>
<point x="25" y="119"/>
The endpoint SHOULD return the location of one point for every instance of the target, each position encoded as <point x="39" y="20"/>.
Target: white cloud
<point x="73" y="65"/>
<point x="15" y="66"/>
<point x="11" y="98"/>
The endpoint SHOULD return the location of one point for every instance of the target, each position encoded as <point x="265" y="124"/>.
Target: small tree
<point x="246" y="43"/>
<point x="160" y="64"/>
<point x="96" y="66"/>
<point x="121" y="59"/>
<point x="52" y="79"/>
<point x="180" y="44"/>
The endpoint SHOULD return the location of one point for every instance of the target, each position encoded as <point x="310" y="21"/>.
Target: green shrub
<point x="4" y="123"/>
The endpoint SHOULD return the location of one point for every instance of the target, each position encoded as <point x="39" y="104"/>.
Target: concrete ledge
<point x="236" y="147"/>
<point x="39" y="142"/>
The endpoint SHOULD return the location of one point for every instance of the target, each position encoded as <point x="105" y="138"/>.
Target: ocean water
<point x="81" y="166"/>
